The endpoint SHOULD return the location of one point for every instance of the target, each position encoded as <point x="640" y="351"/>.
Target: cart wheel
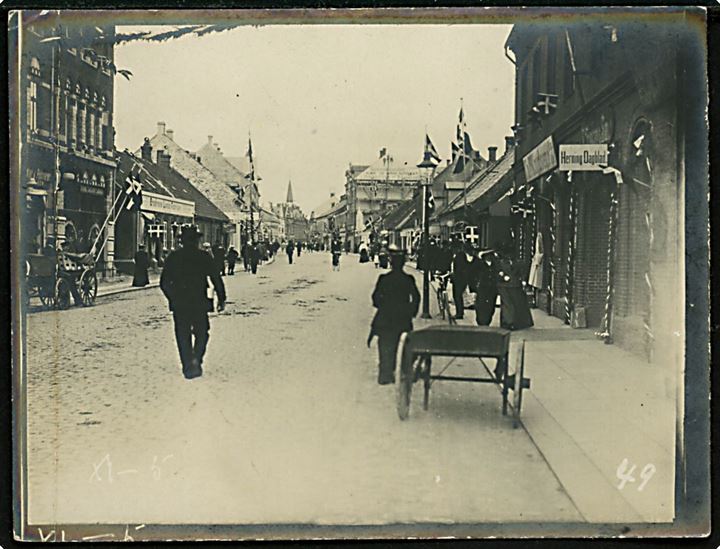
<point x="404" y="381"/>
<point x="505" y="380"/>
<point x="46" y="293"/>
<point x="88" y="287"/>
<point x="521" y="382"/>
<point x="62" y="294"/>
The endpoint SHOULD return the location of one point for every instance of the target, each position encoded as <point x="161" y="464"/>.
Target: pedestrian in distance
<point x="514" y="308"/>
<point x="397" y="300"/>
<point x="219" y="256"/>
<point x="254" y="257"/>
<point x="336" y="252"/>
<point x="231" y="257"/>
<point x="289" y="250"/>
<point x="485" y="287"/>
<point x="184" y="283"/>
<point x="464" y="268"/>
<point x="142" y="262"/>
<point x="299" y="248"/>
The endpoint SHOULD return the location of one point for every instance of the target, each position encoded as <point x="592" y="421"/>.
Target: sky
<point x="316" y="98"/>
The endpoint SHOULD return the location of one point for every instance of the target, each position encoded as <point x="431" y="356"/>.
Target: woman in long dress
<point x="142" y="262"/>
<point x="514" y="309"/>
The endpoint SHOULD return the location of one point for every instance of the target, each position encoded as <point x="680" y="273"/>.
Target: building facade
<point x="219" y="192"/>
<point x="66" y="122"/>
<point x="372" y="191"/>
<point x="598" y="175"/>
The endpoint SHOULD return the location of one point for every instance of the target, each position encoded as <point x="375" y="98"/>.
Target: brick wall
<point x="590" y="288"/>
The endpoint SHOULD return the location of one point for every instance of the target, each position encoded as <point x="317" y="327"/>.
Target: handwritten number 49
<point x="625" y="474"/>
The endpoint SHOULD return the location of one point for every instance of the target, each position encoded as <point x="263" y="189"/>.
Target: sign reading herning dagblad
<point x="540" y="160"/>
<point x="166" y="204"/>
<point x="583" y="158"/>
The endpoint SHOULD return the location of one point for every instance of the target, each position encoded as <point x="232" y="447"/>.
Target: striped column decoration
<point x="605" y="326"/>
<point x="572" y="242"/>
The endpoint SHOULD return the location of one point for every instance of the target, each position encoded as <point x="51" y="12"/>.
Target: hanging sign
<point x="540" y="160"/>
<point x="583" y="158"/>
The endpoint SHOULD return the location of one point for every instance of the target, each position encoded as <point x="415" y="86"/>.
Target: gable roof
<point x="169" y="182"/>
<point x="486" y="184"/>
<point x="215" y="190"/>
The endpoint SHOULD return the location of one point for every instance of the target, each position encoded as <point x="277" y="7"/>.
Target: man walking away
<point x="397" y="300"/>
<point x="232" y="256"/>
<point x="184" y="283"/>
<point x="461" y="276"/>
<point x="289" y="250"/>
<point x="299" y="248"/>
<point x="142" y="262"/>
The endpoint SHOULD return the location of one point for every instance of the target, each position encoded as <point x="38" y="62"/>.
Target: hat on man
<point x="189" y="233"/>
<point x="394" y="249"/>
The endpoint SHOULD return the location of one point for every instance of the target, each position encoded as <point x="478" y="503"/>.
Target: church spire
<point x="289" y="198"/>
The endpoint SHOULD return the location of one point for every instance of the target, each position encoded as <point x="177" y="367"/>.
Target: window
<point x="32" y="98"/>
<point x="81" y="124"/>
<point x="91" y="128"/>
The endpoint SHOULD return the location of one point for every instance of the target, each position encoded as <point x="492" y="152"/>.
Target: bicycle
<point x="442" y="297"/>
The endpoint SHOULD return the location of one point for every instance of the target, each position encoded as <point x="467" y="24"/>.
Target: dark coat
<point x="465" y="272"/>
<point x="397" y="300"/>
<point x="142" y="262"/>
<point x="232" y="256"/>
<point x="184" y="281"/>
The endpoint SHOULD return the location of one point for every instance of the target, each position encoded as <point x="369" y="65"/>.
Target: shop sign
<point x="158" y="203"/>
<point x="38" y="175"/>
<point x="583" y="158"/>
<point x="540" y="160"/>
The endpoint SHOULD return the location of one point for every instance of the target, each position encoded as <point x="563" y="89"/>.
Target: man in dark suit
<point x="219" y="255"/>
<point x="463" y="273"/>
<point x="184" y="283"/>
<point x="397" y="300"/>
<point x="142" y="262"/>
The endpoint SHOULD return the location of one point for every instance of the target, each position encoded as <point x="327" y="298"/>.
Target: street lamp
<point x="428" y="167"/>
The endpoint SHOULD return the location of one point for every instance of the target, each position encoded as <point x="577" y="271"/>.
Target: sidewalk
<point x="123" y="283"/>
<point x="590" y="407"/>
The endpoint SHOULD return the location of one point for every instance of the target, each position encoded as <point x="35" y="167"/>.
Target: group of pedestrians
<point x="488" y="274"/>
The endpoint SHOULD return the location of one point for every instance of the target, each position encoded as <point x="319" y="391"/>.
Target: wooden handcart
<point x="417" y="349"/>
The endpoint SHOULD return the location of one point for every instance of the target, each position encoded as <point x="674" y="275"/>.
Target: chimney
<point x="161" y="128"/>
<point x="146" y="150"/>
<point x="210" y="140"/>
<point x="170" y="134"/>
<point x="509" y="142"/>
<point x="163" y="159"/>
<point x="492" y="154"/>
<point x="332" y="194"/>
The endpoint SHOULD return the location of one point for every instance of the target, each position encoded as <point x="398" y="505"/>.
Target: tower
<point x="289" y="198"/>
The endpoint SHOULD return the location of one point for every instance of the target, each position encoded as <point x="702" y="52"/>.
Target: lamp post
<point x="428" y="167"/>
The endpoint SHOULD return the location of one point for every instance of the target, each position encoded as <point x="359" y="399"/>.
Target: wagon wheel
<point x="46" y="293"/>
<point x="521" y="382"/>
<point x="88" y="287"/>
<point x="404" y="381"/>
<point x="62" y="294"/>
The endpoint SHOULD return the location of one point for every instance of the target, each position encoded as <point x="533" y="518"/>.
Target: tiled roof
<point x="169" y="182"/>
<point x="483" y="183"/>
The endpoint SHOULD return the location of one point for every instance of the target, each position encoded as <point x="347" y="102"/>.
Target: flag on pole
<point x="134" y="192"/>
<point x="251" y="175"/>
<point x="430" y="201"/>
<point x="430" y="149"/>
<point x="461" y="136"/>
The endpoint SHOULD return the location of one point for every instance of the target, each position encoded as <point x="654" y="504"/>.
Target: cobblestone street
<point x="287" y="425"/>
